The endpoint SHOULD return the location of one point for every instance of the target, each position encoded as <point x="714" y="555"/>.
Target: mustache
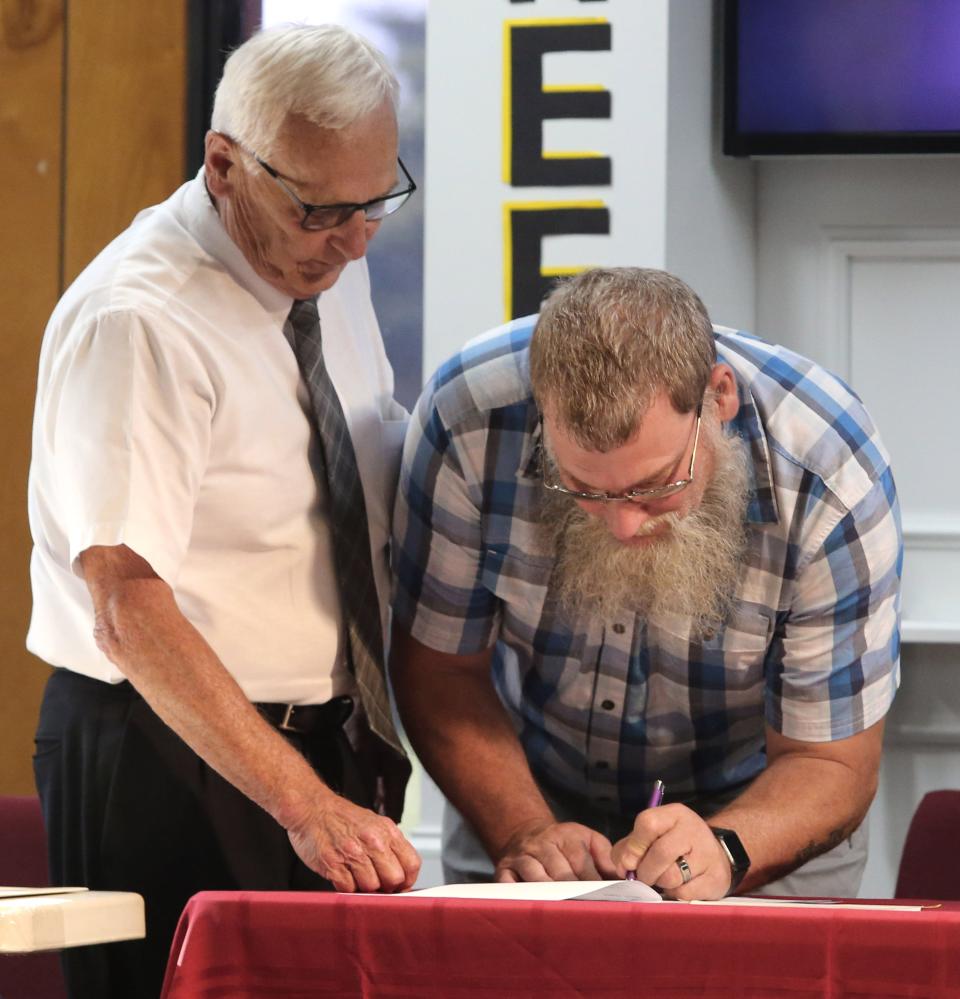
<point x="653" y="524"/>
<point x="691" y="569"/>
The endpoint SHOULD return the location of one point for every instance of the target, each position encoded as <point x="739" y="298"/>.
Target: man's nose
<point x="623" y="520"/>
<point x="351" y="237"/>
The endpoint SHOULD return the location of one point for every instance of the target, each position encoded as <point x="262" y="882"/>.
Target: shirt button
<point x="607" y="705"/>
<point x="619" y="628"/>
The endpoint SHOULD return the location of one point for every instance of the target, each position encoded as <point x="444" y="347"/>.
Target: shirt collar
<point x="762" y="505"/>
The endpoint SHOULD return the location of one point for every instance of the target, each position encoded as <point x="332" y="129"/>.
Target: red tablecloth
<point x="235" y="944"/>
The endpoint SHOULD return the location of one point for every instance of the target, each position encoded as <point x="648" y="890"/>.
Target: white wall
<point x="710" y="217"/>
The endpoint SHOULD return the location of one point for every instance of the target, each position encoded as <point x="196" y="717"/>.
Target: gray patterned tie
<point x="339" y="476"/>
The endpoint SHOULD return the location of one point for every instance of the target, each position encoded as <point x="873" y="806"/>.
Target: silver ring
<point x="685" y="872"/>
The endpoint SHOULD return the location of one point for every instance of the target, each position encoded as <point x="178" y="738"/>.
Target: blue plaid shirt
<point x="604" y="707"/>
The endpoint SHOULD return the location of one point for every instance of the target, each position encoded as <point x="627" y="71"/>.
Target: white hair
<point x="324" y="73"/>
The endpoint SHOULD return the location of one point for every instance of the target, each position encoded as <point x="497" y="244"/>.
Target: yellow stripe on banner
<point x="572" y="88"/>
<point x="573" y="154"/>
<point x="509" y="208"/>
<point x="507" y="108"/>
<point x="508" y="78"/>
<point x="541" y="22"/>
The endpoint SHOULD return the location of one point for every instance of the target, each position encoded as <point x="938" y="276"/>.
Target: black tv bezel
<point x="737" y="142"/>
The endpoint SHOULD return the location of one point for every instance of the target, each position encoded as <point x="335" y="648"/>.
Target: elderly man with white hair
<point x="214" y="454"/>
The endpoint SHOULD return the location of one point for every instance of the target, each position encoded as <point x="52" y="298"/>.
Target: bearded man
<point x="631" y="548"/>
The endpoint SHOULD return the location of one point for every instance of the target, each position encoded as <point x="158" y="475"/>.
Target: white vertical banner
<point x="546" y="152"/>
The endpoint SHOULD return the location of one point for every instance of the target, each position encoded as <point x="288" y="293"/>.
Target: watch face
<point x="726" y="849"/>
<point x="733" y="848"/>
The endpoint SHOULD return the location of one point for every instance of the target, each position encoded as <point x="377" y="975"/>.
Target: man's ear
<point x="724" y="385"/>
<point x="219" y="163"/>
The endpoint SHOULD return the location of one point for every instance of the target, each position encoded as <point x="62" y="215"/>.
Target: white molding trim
<point x="844" y="245"/>
<point x="931" y="532"/>
<point x="917" y="632"/>
<point x="922" y="735"/>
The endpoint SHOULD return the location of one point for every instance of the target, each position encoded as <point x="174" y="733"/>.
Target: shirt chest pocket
<point x="734" y="656"/>
<point x="521" y="584"/>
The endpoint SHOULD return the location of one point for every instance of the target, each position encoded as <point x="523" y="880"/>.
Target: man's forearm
<point x="143" y="633"/>
<point x="463" y="736"/>
<point x="800" y="807"/>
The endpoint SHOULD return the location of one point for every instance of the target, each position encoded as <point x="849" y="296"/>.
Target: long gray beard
<point x="692" y="570"/>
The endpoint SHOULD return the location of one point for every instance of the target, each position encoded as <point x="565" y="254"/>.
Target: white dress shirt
<point x="171" y="418"/>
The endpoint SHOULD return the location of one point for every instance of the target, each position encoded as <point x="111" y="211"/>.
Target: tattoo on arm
<point x="814" y="849"/>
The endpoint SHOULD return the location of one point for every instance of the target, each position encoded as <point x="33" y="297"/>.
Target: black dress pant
<point x="129" y="806"/>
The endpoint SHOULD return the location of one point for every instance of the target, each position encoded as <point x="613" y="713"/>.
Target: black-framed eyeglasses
<point x="631" y="495"/>
<point x="319" y="217"/>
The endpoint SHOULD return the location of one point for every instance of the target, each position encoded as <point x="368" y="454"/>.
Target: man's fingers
<point x="357" y="850"/>
<point x="340" y="877"/>
<point x="564" y="862"/>
<point x="391" y="874"/>
<point x="628" y="854"/>
<point x="601" y="855"/>
<point x="561" y="851"/>
<point x="382" y="859"/>
<point x="409" y="861"/>
<point x="659" y="863"/>
<point x="365" y="875"/>
<point x="661" y="838"/>
<point x="530" y="869"/>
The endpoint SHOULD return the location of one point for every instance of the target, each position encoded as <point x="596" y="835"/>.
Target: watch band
<point x="734" y="852"/>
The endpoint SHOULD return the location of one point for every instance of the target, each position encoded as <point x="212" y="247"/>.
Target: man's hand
<point x="555" y="851"/>
<point x="355" y="849"/>
<point x="660" y="837"/>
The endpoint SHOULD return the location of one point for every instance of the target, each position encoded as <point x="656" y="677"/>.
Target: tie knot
<point x="304" y="309"/>
<point x="304" y="312"/>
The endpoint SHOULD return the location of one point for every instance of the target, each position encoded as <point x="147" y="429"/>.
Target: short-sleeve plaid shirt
<point x="604" y="707"/>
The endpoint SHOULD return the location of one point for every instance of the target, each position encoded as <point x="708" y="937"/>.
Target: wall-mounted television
<point x="808" y="77"/>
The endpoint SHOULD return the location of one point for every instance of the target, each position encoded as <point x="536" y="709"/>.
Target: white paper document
<point x="629" y="891"/>
<point x="745" y="901"/>
<point x="547" y="891"/>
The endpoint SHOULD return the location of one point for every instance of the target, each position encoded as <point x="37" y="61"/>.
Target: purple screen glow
<point x="836" y="66"/>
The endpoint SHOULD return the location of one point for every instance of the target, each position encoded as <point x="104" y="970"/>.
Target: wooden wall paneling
<point x="31" y="58"/>
<point x="126" y="94"/>
<point x="92" y="97"/>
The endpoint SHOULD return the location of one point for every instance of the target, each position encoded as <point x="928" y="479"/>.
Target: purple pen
<point x="656" y="796"/>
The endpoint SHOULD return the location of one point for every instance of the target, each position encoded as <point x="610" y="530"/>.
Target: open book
<point x="547" y="891"/>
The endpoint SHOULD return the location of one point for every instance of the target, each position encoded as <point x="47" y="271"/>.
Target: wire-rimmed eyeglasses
<point x="319" y="217"/>
<point x="631" y="495"/>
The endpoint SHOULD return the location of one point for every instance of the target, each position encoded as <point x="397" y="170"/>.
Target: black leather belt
<point x="308" y="719"/>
